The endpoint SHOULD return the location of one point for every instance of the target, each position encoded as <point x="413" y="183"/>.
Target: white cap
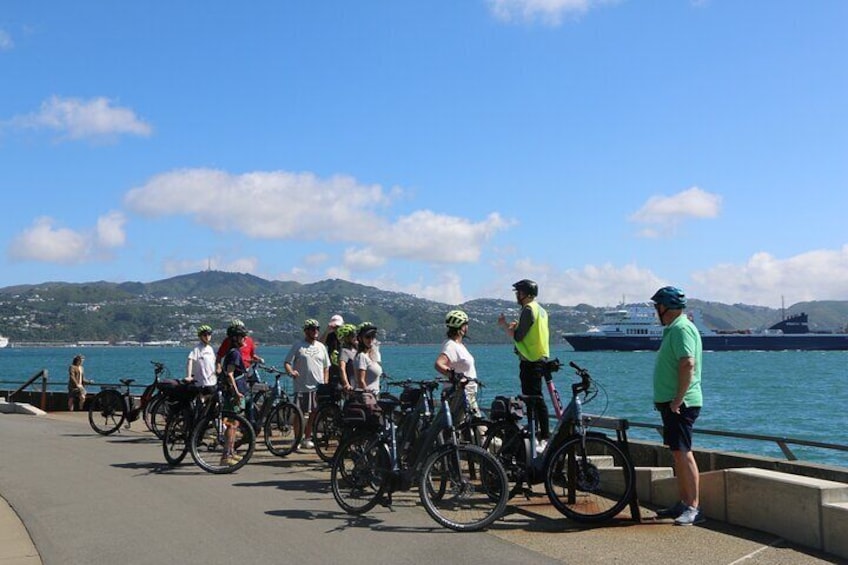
<point x="336" y="321"/>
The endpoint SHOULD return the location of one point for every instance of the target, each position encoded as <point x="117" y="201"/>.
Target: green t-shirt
<point x="680" y="339"/>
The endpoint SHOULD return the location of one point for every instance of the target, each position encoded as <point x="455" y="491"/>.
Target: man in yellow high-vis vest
<point x="532" y="345"/>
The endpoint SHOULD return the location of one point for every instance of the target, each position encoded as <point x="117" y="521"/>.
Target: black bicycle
<point x="221" y="441"/>
<point x="110" y="408"/>
<point x="462" y="487"/>
<point x="271" y="411"/>
<point x="588" y="477"/>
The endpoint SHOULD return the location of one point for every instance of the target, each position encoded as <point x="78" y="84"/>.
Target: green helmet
<point x="311" y="323"/>
<point x="456" y="319"/>
<point x="671" y="297"/>
<point x="204" y="329"/>
<point x="346" y="331"/>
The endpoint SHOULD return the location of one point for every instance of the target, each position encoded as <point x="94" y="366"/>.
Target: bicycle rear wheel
<point x="209" y="443"/>
<point x="505" y="440"/>
<point x="359" y="473"/>
<point x="327" y="431"/>
<point x="283" y="429"/>
<point x="463" y="487"/>
<point x="589" y="479"/>
<point x="175" y="442"/>
<point x="107" y="412"/>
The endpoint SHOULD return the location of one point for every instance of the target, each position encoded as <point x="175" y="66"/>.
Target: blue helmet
<point x="671" y="297"/>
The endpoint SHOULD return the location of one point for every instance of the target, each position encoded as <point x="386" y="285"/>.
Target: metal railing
<point x="42" y="374"/>
<point x="781" y="441"/>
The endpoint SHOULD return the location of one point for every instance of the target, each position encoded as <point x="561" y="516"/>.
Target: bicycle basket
<point x="362" y="408"/>
<point x="507" y="408"/>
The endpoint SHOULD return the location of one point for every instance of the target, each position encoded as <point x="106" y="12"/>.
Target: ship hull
<point x="742" y="342"/>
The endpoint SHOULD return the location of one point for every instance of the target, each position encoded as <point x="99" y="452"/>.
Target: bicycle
<point x="151" y="394"/>
<point x="110" y="409"/>
<point x="588" y="477"/>
<point x="328" y="427"/>
<point x="209" y="443"/>
<point x="185" y="407"/>
<point x="462" y="487"/>
<point x="271" y="411"/>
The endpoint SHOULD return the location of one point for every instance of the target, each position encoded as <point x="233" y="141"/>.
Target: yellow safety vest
<point x="536" y="344"/>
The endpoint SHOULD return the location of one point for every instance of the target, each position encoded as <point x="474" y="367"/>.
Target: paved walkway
<point x="89" y="499"/>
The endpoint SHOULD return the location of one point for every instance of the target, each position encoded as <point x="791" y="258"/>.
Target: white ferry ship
<point x="636" y="328"/>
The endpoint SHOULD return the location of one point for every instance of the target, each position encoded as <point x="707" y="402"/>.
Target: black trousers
<point x="532" y="373"/>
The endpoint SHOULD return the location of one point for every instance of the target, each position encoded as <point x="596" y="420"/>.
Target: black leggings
<point x="531" y="375"/>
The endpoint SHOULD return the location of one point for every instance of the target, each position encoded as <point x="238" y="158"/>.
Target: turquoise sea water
<point x="796" y="394"/>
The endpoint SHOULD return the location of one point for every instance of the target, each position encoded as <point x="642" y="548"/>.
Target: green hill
<point x="170" y="309"/>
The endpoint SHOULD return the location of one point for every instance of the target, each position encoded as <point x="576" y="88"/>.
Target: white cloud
<point x="6" y="42"/>
<point x="550" y="12"/>
<point x="661" y="214"/>
<point x="284" y="205"/>
<point x="362" y="259"/>
<point x="444" y="287"/>
<point x="44" y="242"/>
<point x="110" y="230"/>
<point x="598" y="285"/>
<point x="97" y="118"/>
<point x="764" y="279"/>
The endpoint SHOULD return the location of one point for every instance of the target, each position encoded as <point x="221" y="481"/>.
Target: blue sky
<point x="445" y="149"/>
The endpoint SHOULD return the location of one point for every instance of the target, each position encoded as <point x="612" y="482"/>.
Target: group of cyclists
<point x="347" y="356"/>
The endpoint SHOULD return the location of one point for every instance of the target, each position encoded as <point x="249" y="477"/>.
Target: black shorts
<point x="677" y="428"/>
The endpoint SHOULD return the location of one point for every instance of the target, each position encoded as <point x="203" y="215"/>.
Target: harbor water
<point x="794" y="394"/>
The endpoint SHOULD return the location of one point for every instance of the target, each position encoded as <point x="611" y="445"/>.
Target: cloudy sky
<point x="445" y="149"/>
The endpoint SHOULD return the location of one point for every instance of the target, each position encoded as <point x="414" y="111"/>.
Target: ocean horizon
<point x="793" y="394"/>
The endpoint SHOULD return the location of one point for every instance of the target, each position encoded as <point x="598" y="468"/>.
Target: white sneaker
<point x="307" y="444"/>
<point x="540" y="447"/>
<point x="496" y="443"/>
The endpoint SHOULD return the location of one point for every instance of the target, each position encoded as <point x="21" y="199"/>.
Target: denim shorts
<point x="677" y="428"/>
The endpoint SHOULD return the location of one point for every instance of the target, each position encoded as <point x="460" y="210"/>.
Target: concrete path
<point x="95" y="500"/>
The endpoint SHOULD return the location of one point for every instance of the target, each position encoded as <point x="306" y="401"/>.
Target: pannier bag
<point x="362" y="408"/>
<point x="328" y="393"/>
<point x="409" y="397"/>
<point x="507" y="407"/>
<point x="177" y="390"/>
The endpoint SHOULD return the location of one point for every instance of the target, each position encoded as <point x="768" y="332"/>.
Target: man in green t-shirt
<point x="677" y="395"/>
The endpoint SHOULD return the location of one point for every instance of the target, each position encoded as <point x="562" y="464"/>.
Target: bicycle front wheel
<point x="327" y="431"/>
<point x="222" y="443"/>
<point x="359" y="472"/>
<point x="175" y="442"/>
<point x="148" y="397"/>
<point x="159" y="413"/>
<point x="463" y="487"/>
<point x="283" y="429"/>
<point x="589" y="479"/>
<point x="107" y="412"/>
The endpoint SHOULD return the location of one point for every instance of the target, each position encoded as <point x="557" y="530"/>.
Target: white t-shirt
<point x="203" y="365"/>
<point x="309" y="360"/>
<point x="373" y="369"/>
<point x="459" y="358"/>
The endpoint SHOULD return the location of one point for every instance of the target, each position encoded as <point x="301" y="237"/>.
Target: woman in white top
<point x="368" y="362"/>
<point x="456" y="357"/>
